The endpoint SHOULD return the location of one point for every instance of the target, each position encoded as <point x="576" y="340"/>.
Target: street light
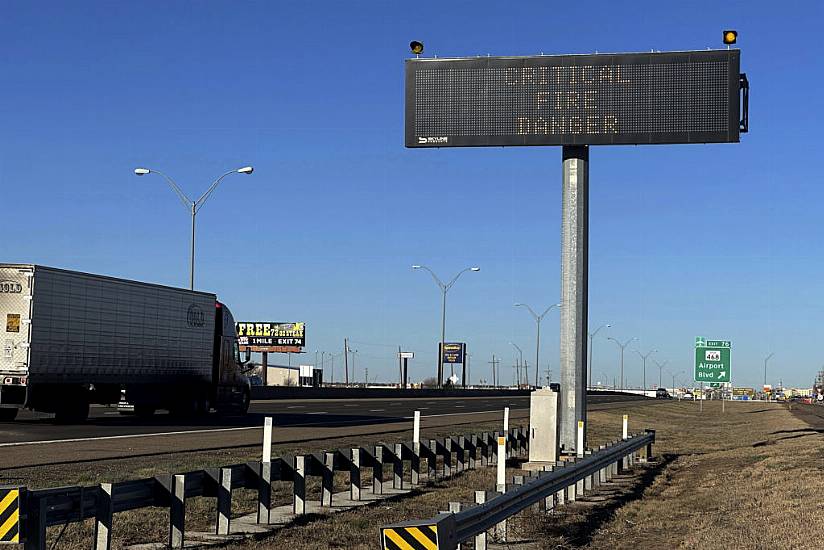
<point x="622" y="346"/>
<point x="674" y="374"/>
<point x="538" y="319"/>
<point x="660" y="369"/>
<point x="521" y="362"/>
<point x="644" y="357"/>
<point x="444" y="289"/>
<point x="193" y="206"/>
<point x="589" y="362"/>
<point x="767" y="358"/>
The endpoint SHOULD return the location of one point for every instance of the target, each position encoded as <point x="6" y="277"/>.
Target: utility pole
<point x="400" y="367"/>
<point x="346" y="358"/>
<point x="495" y="377"/>
<point x="366" y="370"/>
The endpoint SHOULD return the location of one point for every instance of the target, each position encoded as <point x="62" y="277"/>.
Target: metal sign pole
<point x="574" y="292"/>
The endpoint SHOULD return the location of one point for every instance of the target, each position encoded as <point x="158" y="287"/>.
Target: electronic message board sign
<point x="600" y="99"/>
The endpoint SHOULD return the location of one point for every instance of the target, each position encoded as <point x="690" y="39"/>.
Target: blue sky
<point x="722" y="241"/>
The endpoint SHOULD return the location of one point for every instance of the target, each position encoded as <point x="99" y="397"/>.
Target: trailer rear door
<point x="15" y="318"/>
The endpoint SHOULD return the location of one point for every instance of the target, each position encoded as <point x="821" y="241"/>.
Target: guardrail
<point x="548" y="488"/>
<point x="43" y="508"/>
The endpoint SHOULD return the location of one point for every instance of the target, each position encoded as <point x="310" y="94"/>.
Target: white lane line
<point x="191" y="432"/>
<point x="296" y="407"/>
<point x="459" y="406"/>
<point x="101" y="438"/>
<point x="319" y="412"/>
<point x="376" y="410"/>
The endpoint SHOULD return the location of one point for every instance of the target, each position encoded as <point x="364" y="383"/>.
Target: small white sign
<point x="712" y="355"/>
<point x="407" y="355"/>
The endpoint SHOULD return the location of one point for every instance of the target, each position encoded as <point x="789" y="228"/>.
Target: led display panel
<point x="599" y="99"/>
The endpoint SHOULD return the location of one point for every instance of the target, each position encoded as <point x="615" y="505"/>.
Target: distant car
<point x="662" y="393"/>
<point x="688" y="395"/>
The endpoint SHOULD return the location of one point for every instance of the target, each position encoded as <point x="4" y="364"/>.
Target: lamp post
<point x="538" y="319"/>
<point x="767" y="358"/>
<point x="644" y="357"/>
<point x="589" y="361"/>
<point x="674" y="374"/>
<point x="660" y="369"/>
<point x="521" y="362"/>
<point x="444" y="289"/>
<point x="193" y="206"/>
<point x="622" y="346"/>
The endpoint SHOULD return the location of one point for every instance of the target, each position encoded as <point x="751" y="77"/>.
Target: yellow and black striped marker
<point x="411" y="537"/>
<point x="9" y="516"/>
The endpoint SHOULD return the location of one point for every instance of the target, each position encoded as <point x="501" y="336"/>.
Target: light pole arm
<point x="455" y="278"/>
<point x="531" y="311"/>
<point x="436" y="279"/>
<point x="547" y="310"/>
<point x="199" y="202"/>
<point x="187" y="202"/>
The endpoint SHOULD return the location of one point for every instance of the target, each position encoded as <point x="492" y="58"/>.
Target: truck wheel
<point x="7" y="415"/>
<point x="72" y="413"/>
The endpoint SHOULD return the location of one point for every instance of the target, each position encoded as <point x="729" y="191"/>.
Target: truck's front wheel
<point x="8" y="414"/>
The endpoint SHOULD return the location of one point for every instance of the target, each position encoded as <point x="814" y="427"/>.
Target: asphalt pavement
<point x="35" y="439"/>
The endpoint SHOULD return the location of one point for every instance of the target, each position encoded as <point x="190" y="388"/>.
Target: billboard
<point x="599" y="99"/>
<point x="453" y="352"/>
<point x="271" y="337"/>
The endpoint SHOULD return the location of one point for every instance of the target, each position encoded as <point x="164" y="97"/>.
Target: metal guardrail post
<point x="377" y="470"/>
<point x="589" y="481"/>
<point x="103" y="519"/>
<point x="299" y="486"/>
<point x="177" y="512"/>
<point x="35" y="526"/>
<point x="549" y="501"/>
<point x="355" y="474"/>
<point x="328" y="488"/>
<point x="480" y="538"/>
<point x="416" y="464"/>
<point x="432" y="461"/>
<point x="224" y="501"/>
<point x="649" y="445"/>
<point x="264" y="472"/>
<point x="461" y="444"/>
<point x="485" y="451"/>
<point x="397" y="467"/>
<point x="447" y="457"/>
<point x="472" y="446"/>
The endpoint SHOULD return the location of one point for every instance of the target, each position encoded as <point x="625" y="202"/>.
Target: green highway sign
<point x="712" y="361"/>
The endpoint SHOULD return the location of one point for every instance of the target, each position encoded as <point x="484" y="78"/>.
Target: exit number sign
<point x="712" y="361"/>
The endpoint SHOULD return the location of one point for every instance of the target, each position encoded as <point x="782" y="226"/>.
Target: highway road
<point x="34" y="439"/>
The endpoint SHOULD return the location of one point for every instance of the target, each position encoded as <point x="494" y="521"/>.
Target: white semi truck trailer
<point x="69" y="339"/>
